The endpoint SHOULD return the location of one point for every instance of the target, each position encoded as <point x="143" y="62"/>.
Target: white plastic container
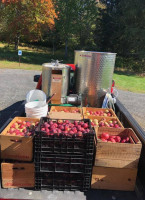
<point x="35" y="95"/>
<point x="36" y="109"/>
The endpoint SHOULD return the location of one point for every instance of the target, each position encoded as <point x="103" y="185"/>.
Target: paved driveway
<point x="135" y="104"/>
<point x="14" y="85"/>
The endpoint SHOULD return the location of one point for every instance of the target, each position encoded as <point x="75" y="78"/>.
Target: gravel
<point x="135" y="104"/>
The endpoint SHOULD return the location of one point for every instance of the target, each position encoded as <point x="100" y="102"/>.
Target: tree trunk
<point x="66" y="48"/>
<point x="17" y="40"/>
<point x="53" y="48"/>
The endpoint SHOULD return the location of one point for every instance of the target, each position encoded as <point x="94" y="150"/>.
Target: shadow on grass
<point x="37" y="58"/>
<point x="126" y="73"/>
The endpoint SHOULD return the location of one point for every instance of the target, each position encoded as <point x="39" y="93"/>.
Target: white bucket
<point x="36" y="95"/>
<point x="36" y="109"/>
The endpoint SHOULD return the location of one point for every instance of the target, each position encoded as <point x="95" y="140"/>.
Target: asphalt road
<point x="135" y="104"/>
<point x="14" y="85"/>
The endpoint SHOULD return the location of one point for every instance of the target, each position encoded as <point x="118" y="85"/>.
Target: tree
<point x="26" y="19"/>
<point x="75" y="20"/>
<point x="120" y="28"/>
<point x="86" y="18"/>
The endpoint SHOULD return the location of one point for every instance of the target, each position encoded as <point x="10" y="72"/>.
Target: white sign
<point x="19" y="52"/>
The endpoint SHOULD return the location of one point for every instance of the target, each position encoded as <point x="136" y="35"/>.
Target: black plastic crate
<point x="61" y="143"/>
<point x="63" y="163"/>
<point x="65" y="181"/>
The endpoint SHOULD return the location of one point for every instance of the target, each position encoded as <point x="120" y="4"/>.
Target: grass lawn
<point x="128" y="82"/>
<point x="15" y="65"/>
<point x="31" y="55"/>
<point x="33" y="58"/>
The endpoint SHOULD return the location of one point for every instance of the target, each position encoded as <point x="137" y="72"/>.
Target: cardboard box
<point x="85" y="109"/>
<point x="59" y="114"/>
<point x="17" y="175"/>
<point x="109" y="178"/>
<point x="17" y="147"/>
<point x="119" y="155"/>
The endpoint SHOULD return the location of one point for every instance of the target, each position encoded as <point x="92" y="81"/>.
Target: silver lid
<point x="95" y="52"/>
<point x="55" y="65"/>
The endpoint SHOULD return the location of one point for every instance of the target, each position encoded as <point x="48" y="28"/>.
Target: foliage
<point x="26" y="19"/>
<point x="75" y="22"/>
<point x="99" y="25"/>
<point x="121" y="29"/>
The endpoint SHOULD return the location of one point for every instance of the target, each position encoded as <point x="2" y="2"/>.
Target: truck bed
<point x="139" y="193"/>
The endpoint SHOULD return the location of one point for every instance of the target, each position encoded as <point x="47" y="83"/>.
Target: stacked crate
<point x="63" y="162"/>
<point x="115" y="166"/>
<point x="17" y="168"/>
<point x="116" y="163"/>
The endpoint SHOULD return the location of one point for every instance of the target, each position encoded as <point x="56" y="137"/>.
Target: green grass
<point x="33" y="58"/>
<point x="129" y="82"/>
<point x="15" y="65"/>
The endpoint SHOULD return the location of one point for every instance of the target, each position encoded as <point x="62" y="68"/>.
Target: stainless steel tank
<point x="94" y="75"/>
<point x="55" y="75"/>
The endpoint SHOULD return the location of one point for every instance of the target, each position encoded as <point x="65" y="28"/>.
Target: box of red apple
<point x="102" y="122"/>
<point x="64" y="136"/>
<point x="17" y="139"/>
<point x="118" y="148"/>
<point x="97" y="112"/>
<point x="61" y="112"/>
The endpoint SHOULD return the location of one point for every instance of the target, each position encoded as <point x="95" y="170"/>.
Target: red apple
<point x="112" y="140"/>
<point x="118" y="139"/>
<point x="21" y="126"/>
<point x="85" y="125"/>
<point x="80" y="134"/>
<point x="123" y="141"/>
<point x="105" y="135"/>
<point x="116" y="126"/>
<point x="24" y="123"/>
<point x="111" y="125"/>
<point x="11" y="130"/>
<point x="19" y="121"/>
<point x="109" y="114"/>
<point x="28" y="123"/>
<point x="103" y="139"/>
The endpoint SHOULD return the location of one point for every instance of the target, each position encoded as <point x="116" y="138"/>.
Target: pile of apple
<point x="111" y="123"/>
<point x="105" y="113"/>
<point x="94" y="122"/>
<point x="22" y="128"/>
<point x="65" y="128"/>
<point x="105" y="137"/>
<point x="105" y="123"/>
<point x="76" y="110"/>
